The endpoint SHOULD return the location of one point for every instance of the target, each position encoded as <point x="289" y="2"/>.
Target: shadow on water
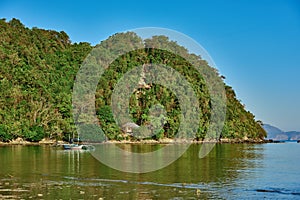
<point x="41" y="171"/>
<point x="278" y="191"/>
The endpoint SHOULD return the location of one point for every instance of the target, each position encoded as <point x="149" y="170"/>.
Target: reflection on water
<point x="229" y="171"/>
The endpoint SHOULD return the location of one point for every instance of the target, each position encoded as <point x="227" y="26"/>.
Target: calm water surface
<point x="230" y="171"/>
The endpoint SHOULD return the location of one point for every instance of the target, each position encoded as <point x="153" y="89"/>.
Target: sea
<point x="229" y="171"/>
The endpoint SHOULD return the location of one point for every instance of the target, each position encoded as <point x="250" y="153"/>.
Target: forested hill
<point x="37" y="71"/>
<point x="36" y="77"/>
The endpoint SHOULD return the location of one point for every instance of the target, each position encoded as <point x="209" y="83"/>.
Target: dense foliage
<point x="37" y="72"/>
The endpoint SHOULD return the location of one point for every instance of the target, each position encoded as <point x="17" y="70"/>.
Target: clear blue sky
<point x="255" y="44"/>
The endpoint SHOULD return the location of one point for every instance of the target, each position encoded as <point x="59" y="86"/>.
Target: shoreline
<point x="20" y="141"/>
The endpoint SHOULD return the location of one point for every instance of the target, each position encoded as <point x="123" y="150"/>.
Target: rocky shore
<point x="20" y="141"/>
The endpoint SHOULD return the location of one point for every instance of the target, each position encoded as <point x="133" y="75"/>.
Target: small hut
<point x="128" y="127"/>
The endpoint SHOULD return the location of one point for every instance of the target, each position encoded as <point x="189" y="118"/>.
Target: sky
<point x="254" y="43"/>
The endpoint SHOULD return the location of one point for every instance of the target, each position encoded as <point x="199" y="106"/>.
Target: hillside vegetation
<point x="37" y="72"/>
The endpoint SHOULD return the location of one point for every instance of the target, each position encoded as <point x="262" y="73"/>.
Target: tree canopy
<point x="37" y="72"/>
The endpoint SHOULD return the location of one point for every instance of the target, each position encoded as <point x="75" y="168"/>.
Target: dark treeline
<point x="37" y="72"/>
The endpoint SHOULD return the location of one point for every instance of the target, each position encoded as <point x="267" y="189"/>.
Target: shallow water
<point x="230" y="171"/>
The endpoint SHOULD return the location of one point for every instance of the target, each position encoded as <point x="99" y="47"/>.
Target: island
<point x="37" y="72"/>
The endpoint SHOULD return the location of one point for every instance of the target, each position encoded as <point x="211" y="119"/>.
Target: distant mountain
<point x="272" y="131"/>
<point x="293" y="135"/>
<point x="275" y="133"/>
